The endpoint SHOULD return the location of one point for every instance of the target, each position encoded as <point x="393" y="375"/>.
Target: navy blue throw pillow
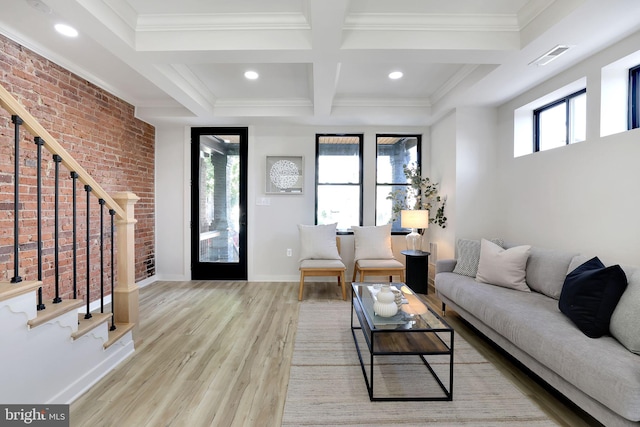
<point x="590" y="294"/>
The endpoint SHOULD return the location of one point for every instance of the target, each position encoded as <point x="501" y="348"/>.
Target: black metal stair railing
<point x="17" y="121"/>
<point x="57" y="267"/>
<point x="39" y="143"/>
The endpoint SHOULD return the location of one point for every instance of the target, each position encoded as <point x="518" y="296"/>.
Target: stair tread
<point x="119" y="332"/>
<point x="9" y="290"/>
<point x="54" y="310"/>
<point x="86" y="325"/>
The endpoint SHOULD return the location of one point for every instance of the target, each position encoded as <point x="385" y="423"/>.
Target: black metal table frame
<point x="369" y="339"/>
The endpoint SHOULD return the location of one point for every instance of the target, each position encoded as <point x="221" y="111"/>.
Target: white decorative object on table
<point x="385" y="305"/>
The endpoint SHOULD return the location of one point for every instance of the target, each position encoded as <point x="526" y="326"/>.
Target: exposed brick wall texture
<point x="100" y="131"/>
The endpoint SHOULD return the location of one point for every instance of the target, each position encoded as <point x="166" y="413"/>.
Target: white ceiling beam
<point x="327" y="18"/>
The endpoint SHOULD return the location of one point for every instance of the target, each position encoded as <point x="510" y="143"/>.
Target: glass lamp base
<point x="414" y="241"/>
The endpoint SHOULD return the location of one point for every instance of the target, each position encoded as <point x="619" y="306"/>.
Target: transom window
<point x="561" y="122"/>
<point x="393" y="152"/>
<point x="339" y="180"/>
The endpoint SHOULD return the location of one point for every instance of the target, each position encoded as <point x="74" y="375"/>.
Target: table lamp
<point x="414" y="219"/>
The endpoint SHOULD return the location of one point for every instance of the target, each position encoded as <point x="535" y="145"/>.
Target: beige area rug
<point x="327" y="388"/>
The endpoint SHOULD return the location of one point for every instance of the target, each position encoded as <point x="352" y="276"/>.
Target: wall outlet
<point x="289" y="252"/>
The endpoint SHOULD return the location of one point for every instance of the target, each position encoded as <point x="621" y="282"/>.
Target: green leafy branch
<point x="421" y="193"/>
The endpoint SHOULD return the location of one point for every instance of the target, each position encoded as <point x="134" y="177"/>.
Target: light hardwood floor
<point x="217" y="353"/>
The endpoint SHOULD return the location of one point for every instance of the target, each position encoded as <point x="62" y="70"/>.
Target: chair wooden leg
<point x="301" y="286"/>
<point x="341" y="280"/>
<point x="355" y="272"/>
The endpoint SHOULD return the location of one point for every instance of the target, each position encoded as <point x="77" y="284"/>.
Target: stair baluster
<point x="113" y="249"/>
<point x="56" y="233"/>
<point x="17" y="121"/>
<point x="74" y="233"/>
<point x="102" y="202"/>
<point x="88" y="315"/>
<point x="39" y="143"/>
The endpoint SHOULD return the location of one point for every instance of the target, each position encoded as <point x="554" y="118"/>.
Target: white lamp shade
<point x="414" y="219"/>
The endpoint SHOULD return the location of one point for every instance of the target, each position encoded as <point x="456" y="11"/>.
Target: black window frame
<point x="536" y="117"/>
<point x="404" y="183"/>
<point x="634" y="98"/>
<point x="360" y="137"/>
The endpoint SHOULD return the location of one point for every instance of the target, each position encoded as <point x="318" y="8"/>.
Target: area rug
<point x="327" y="388"/>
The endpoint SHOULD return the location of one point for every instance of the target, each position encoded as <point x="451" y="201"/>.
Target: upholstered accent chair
<point x="374" y="253"/>
<point x="320" y="255"/>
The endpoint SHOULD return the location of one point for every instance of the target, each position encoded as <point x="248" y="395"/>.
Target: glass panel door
<point x="218" y="205"/>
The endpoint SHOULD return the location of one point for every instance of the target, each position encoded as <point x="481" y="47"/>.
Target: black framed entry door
<point x="219" y="203"/>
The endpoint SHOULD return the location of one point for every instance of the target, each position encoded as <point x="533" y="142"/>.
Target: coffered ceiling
<point x="322" y="62"/>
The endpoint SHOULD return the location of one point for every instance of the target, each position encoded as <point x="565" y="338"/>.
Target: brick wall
<point x="101" y="133"/>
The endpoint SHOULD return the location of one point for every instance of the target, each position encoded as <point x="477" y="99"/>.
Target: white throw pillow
<point x="372" y="242"/>
<point x="503" y="267"/>
<point x="318" y="242"/>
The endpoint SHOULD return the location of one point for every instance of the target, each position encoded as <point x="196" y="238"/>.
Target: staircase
<point x="56" y="339"/>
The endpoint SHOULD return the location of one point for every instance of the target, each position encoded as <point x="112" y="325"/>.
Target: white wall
<point x="271" y="228"/>
<point x="464" y="159"/>
<point x="443" y="170"/>
<point x="477" y="211"/>
<point x="582" y="197"/>
<point x="172" y="203"/>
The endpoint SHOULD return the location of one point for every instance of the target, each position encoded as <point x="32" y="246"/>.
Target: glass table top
<point x="414" y="314"/>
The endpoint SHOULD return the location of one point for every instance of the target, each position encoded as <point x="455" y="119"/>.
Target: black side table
<point x="417" y="270"/>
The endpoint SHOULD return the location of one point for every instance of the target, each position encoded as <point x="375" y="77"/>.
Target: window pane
<point x="394" y="152"/>
<point x="384" y="206"/>
<point x="553" y="127"/>
<point x="578" y="117"/>
<point x="339" y="176"/>
<point x="219" y="202"/>
<point x="634" y="97"/>
<point x="339" y="203"/>
<point x="339" y="163"/>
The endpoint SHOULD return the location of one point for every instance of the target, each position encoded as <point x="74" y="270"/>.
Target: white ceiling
<point x="321" y="62"/>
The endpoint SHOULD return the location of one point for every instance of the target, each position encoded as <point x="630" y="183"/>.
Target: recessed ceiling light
<point x="395" y="75"/>
<point x="66" y="30"/>
<point x="251" y="75"/>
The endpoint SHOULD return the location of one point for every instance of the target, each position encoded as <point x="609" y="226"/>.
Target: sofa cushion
<point x="590" y="295"/>
<point x="625" y="321"/>
<point x="547" y="269"/>
<point x="503" y="267"/>
<point x="372" y="242"/>
<point x="468" y="256"/>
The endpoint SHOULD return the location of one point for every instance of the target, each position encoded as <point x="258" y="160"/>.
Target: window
<point x="393" y="152"/>
<point x="339" y="180"/>
<point x="561" y="122"/>
<point x="634" y="97"/>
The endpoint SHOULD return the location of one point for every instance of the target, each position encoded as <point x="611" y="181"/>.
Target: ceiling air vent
<point x="550" y="56"/>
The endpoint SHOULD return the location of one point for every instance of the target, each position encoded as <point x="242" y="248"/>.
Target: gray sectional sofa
<point x="600" y="375"/>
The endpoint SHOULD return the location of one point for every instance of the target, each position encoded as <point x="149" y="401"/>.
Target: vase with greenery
<point x="421" y="193"/>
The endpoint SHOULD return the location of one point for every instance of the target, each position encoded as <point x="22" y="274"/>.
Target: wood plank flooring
<point x="217" y="353"/>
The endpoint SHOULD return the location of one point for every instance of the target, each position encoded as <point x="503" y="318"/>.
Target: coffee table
<point x="398" y="344"/>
